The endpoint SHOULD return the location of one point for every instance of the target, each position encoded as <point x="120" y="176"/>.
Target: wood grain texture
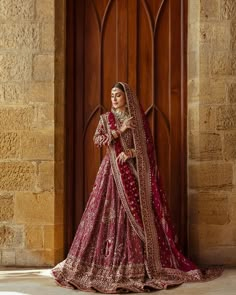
<point x="142" y="42"/>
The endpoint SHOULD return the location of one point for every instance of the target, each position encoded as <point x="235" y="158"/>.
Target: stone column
<point x="212" y="131"/>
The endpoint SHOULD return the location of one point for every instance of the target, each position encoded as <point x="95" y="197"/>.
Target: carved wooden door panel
<point x="141" y="42"/>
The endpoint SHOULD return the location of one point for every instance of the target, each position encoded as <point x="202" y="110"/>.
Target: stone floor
<point x="39" y="282"/>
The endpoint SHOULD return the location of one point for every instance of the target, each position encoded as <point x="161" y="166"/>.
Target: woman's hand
<point x="128" y="123"/>
<point x="122" y="158"/>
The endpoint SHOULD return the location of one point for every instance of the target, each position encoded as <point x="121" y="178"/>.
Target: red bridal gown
<point x="107" y="254"/>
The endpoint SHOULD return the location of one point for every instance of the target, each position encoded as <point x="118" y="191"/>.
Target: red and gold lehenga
<point x="125" y="241"/>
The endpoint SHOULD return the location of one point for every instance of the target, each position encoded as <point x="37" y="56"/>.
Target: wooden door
<point x="141" y="42"/>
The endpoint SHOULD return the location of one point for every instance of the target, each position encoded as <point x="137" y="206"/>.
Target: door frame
<point x="74" y="117"/>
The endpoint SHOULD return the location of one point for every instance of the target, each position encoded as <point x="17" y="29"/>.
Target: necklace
<point x="121" y="115"/>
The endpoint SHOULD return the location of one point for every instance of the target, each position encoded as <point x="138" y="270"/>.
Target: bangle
<point x="133" y="153"/>
<point x="129" y="153"/>
<point x="116" y="133"/>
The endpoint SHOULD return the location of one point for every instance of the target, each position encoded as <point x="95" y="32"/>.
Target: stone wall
<point x="31" y="131"/>
<point x="212" y="131"/>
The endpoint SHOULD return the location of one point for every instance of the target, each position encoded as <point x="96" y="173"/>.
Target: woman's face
<point x="118" y="98"/>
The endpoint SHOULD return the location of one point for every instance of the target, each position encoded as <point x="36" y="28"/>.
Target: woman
<point x="125" y="241"/>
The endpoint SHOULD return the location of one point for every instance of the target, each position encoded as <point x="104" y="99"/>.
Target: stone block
<point x="19" y="37"/>
<point x="226" y="117"/>
<point x="8" y="257"/>
<point x="209" y="9"/>
<point x="13" y="93"/>
<point x="45" y="10"/>
<point x="15" y="67"/>
<point x="205" y="146"/>
<point x="15" y="176"/>
<point x="2" y="93"/>
<point x="194" y="36"/>
<point x="212" y="244"/>
<point x="221" y="35"/>
<point x="210" y="146"/>
<point x="48" y="37"/>
<point x="49" y="257"/>
<point x="193" y="117"/>
<point x="209" y="208"/>
<point x="206" y="236"/>
<point x="43" y="67"/>
<point x="53" y="236"/>
<point x="34" y="237"/>
<point x="193" y="65"/>
<point x="228" y="9"/>
<point x="233" y="63"/>
<point x="12" y="10"/>
<point x="42" y="204"/>
<point x="220" y="63"/>
<point x="37" y="145"/>
<point x="231" y="92"/>
<point x="39" y="92"/>
<point x="48" y="238"/>
<point x="222" y="255"/>
<point x="193" y="145"/>
<point x="218" y="91"/>
<point x="9" y="145"/>
<point x="27" y="257"/>
<point x="17" y="118"/>
<point x="230" y="146"/>
<point x="193" y="88"/>
<point x="11" y="236"/>
<point x="207" y="121"/>
<point x="233" y="36"/>
<point x="212" y="91"/>
<point x="232" y="209"/>
<point x="234" y="180"/>
<point x="46" y="176"/>
<point x="193" y="11"/>
<point x="205" y="32"/>
<point x="211" y="175"/>
<point x="6" y="207"/>
<point x="46" y="116"/>
<point x="204" y="87"/>
<point x="204" y="59"/>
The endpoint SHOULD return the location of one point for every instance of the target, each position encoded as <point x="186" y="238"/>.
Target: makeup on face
<point x="118" y="98"/>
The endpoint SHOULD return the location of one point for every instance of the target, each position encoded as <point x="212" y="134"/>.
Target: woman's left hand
<point x="122" y="158"/>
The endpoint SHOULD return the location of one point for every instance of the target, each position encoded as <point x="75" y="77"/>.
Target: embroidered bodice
<point x="102" y="135"/>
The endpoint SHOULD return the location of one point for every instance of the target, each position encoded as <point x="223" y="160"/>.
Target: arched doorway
<point x="142" y="42"/>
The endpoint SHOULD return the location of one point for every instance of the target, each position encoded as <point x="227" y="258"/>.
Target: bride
<point x="125" y="241"/>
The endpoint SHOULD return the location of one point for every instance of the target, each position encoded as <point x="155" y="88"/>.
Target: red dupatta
<point x="143" y="197"/>
<point x="137" y="192"/>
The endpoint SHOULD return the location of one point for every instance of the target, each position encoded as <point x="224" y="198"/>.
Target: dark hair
<point x="119" y="86"/>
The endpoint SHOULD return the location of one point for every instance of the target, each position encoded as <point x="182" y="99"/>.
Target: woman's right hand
<point x="128" y="123"/>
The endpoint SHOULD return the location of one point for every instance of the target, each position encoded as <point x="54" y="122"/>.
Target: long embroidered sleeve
<point x="101" y="137"/>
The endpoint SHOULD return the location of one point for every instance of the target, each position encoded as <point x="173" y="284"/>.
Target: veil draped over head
<point x="151" y="202"/>
<point x="145" y="200"/>
<point x="145" y="159"/>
